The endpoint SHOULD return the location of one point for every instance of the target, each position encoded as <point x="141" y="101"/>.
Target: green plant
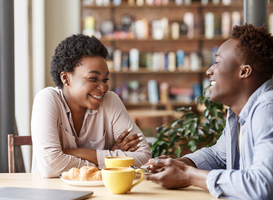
<point x="191" y="130"/>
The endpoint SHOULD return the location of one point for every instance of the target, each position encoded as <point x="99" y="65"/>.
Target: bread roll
<point x="86" y="173"/>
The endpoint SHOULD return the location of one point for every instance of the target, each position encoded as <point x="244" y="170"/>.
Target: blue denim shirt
<point x="249" y="175"/>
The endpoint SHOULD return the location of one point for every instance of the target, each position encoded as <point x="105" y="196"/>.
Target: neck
<point x="247" y="90"/>
<point x="75" y="109"/>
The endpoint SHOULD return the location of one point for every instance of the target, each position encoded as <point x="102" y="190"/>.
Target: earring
<point x="66" y="83"/>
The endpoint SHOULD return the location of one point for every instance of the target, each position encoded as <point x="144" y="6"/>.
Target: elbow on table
<point x="49" y="172"/>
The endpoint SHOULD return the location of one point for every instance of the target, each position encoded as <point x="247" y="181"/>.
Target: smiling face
<point x="87" y="84"/>
<point x="224" y="74"/>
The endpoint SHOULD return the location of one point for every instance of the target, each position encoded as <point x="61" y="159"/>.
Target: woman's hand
<point x="130" y="143"/>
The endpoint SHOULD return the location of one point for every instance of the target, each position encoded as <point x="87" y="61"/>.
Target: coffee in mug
<point x="119" y="162"/>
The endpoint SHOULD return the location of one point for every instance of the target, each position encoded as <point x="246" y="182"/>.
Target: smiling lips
<point x="96" y="96"/>
<point x="213" y="83"/>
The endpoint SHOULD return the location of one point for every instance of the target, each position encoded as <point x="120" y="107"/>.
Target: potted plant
<point x="191" y="130"/>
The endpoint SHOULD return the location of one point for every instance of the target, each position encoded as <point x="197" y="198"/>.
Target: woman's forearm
<point x="83" y="153"/>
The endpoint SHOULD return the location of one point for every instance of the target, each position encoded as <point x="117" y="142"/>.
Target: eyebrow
<point x="216" y="55"/>
<point x="97" y="72"/>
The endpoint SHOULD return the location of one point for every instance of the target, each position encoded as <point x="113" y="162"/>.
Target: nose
<point x="210" y="70"/>
<point x="103" y="87"/>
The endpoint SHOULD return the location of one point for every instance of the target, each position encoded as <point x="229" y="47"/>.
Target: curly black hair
<point x="71" y="50"/>
<point x="255" y="47"/>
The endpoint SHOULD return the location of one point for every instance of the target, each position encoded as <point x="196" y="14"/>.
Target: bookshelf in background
<point x="159" y="50"/>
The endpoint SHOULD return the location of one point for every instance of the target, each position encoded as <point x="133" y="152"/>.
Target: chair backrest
<point x="15" y="140"/>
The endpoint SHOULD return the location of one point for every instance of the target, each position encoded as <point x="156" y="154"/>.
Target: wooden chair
<point x="15" y="140"/>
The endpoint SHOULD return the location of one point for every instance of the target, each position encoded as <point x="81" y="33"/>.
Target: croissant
<point x="86" y="173"/>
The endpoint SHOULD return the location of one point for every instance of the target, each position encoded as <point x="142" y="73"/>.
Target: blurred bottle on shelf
<point x="180" y="55"/>
<point x="189" y="21"/>
<point x="178" y="2"/>
<point x="140" y="2"/>
<point x="171" y="62"/>
<point x="226" y="2"/>
<point x="125" y="62"/>
<point x="99" y="2"/>
<point x="89" y="24"/>
<point x="175" y="30"/>
<point x="183" y="28"/>
<point x="194" y="61"/>
<point x="270" y="23"/>
<point x="235" y="18"/>
<point x="204" y="2"/>
<point x="88" y="2"/>
<point x="116" y="2"/>
<point x="187" y="2"/>
<point x="225" y="24"/>
<point x="209" y="25"/>
<point x="215" y="2"/>
<point x="217" y="24"/>
<point x="134" y="59"/>
<point x="164" y="92"/>
<point x="152" y="92"/>
<point x="117" y="60"/>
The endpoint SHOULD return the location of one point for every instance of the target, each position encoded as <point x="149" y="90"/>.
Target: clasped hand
<point x="130" y="143"/>
<point x="169" y="173"/>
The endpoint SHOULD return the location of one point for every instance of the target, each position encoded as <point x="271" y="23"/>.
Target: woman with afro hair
<point x="80" y="122"/>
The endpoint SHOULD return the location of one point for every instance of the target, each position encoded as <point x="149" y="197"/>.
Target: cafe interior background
<point x="159" y="50"/>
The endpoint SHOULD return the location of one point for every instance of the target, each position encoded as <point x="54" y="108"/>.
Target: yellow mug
<point x="119" y="180"/>
<point x="119" y="162"/>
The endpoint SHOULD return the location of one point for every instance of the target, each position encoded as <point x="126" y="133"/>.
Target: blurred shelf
<point x="146" y="71"/>
<point x="147" y="103"/>
<point x="169" y="5"/>
<point x="182" y="38"/>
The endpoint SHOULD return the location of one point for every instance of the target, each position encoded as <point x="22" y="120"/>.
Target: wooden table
<point x="145" y="190"/>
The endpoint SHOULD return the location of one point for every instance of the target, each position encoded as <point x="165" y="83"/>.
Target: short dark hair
<point x="255" y="47"/>
<point x="71" y="50"/>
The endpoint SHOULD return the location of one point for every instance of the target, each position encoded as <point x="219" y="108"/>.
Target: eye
<point x="93" y="79"/>
<point x="106" y="80"/>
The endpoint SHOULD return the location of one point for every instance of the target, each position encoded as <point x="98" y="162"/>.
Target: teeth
<point x="213" y="83"/>
<point x="97" y="97"/>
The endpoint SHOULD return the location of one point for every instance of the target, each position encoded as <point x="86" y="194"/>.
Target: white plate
<point x="82" y="183"/>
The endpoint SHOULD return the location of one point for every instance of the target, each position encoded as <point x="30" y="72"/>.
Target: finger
<point x="163" y="162"/>
<point x="133" y="137"/>
<point x="134" y="148"/>
<point x="162" y="157"/>
<point x="133" y="143"/>
<point x="123" y="135"/>
<point x="153" y="177"/>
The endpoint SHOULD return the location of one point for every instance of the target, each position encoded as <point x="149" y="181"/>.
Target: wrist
<point x="197" y="177"/>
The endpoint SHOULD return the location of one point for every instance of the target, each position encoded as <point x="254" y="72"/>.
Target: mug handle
<point x="141" y="178"/>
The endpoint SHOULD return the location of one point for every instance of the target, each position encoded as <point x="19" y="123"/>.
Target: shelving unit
<point x="184" y="78"/>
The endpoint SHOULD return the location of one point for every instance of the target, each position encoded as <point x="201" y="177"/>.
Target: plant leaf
<point x="178" y="152"/>
<point x="192" y="145"/>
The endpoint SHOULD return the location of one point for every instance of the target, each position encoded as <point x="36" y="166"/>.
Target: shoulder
<point x="264" y="101"/>
<point x="48" y="95"/>
<point x="111" y="98"/>
<point x="48" y="92"/>
<point x="112" y="103"/>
